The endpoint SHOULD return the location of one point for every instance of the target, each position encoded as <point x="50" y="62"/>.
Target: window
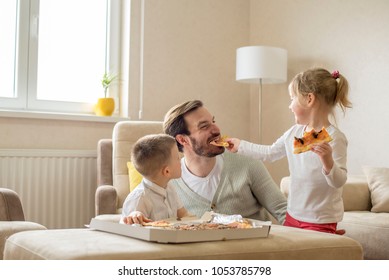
<point x="54" y="53"/>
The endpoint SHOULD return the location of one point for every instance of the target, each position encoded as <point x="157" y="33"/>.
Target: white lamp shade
<point x="255" y="63"/>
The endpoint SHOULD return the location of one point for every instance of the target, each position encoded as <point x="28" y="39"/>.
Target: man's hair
<point x="174" y="122"/>
<point x="151" y="152"/>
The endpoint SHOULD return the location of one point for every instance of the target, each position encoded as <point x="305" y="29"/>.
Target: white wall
<point x="189" y="53"/>
<point x="351" y="36"/>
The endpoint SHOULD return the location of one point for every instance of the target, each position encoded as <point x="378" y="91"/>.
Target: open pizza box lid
<point x="260" y="229"/>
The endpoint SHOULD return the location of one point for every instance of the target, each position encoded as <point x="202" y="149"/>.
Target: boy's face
<point x="175" y="163"/>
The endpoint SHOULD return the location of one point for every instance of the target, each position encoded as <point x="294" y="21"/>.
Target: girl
<point x="317" y="176"/>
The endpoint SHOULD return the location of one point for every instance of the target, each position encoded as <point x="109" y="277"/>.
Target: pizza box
<point x="260" y="229"/>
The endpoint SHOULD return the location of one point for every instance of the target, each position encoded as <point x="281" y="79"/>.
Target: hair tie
<point x="335" y="74"/>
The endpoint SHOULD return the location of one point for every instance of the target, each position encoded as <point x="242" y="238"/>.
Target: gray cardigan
<point x="245" y="188"/>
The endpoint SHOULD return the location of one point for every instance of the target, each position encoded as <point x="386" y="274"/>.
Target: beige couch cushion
<point x="282" y="243"/>
<point x="371" y="230"/>
<point x="7" y="228"/>
<point x="356" y="194"/>
<point x="378" y="181"/>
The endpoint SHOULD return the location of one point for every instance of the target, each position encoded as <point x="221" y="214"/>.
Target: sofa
<point x="12" y="217"/>
<point x="283" y="243"/>
<point x="114" y="185"/>
<point x="362" y="221"/>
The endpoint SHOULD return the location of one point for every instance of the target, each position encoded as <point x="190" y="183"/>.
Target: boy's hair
<point x="174" y="122"/>
<point x="151" y="152"/>
<point x="331" y="88"/>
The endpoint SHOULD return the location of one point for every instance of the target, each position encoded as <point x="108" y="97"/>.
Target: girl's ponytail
<point x="341" y="96"/>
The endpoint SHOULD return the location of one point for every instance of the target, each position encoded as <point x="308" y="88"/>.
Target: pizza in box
<point x="162" y="224"/>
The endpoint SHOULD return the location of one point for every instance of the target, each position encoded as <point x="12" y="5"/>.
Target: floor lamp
<point x="261" y="65"/>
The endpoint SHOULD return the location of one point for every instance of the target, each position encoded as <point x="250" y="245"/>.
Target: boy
<point x="156" y="157"/>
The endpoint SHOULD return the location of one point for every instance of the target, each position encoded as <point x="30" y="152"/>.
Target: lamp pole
<point x="261" y="64"/>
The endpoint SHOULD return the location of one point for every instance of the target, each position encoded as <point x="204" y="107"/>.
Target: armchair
<point x="12" y="217"/>
<point x="112" y="173"/>
<point x="10" y="206"/>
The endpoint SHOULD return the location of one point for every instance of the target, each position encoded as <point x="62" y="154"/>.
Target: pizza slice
<point x="221" y="142"/>
<point x="244" y="224"/>
<point x="160" y="223"/>
<point x="310" y="138"/>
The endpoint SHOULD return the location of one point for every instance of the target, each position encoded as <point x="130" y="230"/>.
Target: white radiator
<point x="56" y="187"/>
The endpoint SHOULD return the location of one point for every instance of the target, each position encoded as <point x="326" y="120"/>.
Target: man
<point x="213" y="179"/>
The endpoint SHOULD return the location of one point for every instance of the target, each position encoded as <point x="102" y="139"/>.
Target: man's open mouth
<point x="220" y="141"/>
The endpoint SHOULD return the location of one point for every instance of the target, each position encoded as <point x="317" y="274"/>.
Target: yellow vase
<point x="105" y="106"/>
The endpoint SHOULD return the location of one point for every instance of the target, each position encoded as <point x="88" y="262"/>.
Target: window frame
<point x="27" y="58"/>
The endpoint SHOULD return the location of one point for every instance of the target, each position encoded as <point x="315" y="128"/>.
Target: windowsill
<point x="59" y="116"/>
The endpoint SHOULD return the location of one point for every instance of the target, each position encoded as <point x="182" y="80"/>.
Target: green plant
<point x="106" y="81"/>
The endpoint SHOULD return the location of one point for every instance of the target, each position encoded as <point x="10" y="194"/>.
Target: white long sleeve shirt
<point x="314" y="196"/>
<point x="155" y="202"/>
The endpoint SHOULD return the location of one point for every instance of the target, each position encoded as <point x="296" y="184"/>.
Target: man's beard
<point x="206" y="151"/>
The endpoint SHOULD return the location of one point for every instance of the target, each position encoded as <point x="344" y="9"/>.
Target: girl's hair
<point x="331" y="88"/>
<point x="151" y="152"/>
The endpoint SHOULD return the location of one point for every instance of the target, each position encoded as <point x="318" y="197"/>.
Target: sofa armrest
<point x="104" y="162"/>
<point x="356" y="194"/>
<point x="106" y="200"/>
<point x="10" y="206"/>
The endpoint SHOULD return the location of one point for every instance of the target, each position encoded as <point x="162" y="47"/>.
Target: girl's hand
<point x="136" y="217"/>
<point x="324" y="151"/>
<point x="234" y="144"/>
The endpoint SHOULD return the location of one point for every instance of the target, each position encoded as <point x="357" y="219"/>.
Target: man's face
<point x="203" y="130"/>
